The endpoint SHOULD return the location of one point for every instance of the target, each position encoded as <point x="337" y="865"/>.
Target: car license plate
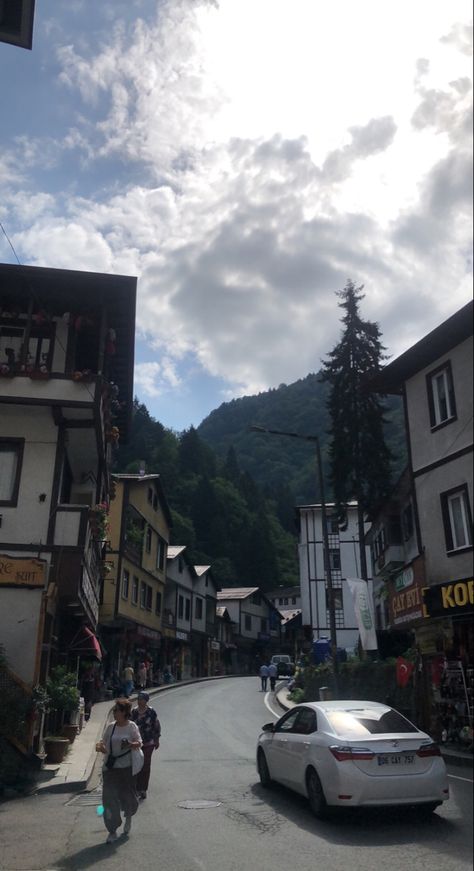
<point x="396" y="759"/>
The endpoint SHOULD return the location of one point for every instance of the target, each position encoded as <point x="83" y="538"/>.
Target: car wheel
<point x="263" y="770"/>
<point x="316" y="798"/>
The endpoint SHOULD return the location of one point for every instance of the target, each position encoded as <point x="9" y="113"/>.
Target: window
<point x="149" y="598"/>
<point x="441" y="401"/>
<point x="333" y="526"/>
<point x="379" y="543"/>
<point x="150" y="495"/>
<point x="337" y="599"/>
<point x="158" y="603"/>
<point x="457" y="519"/>
<point x="143" y="587"/>
<point x="198" y="609"/>
<point x="248" y="623"/>
<point x="180" y="607"/>
<point x="263" y="624"/>
<point x="148" y="539"/>
<point x="293" y="600"/>
<point x="407" y="522"/>
<point x="335" y="560"/>
<point x="187" y="612"/>
<point x="161" y="553"/>
<point x="11" y="456"/>
<point x="287" y="723"/>
<point x="125" y="584"/>
<point x="135" y="591"/>
<point x="256" y="599"/>
<point x="361" y="722"/>
<point x="155" y="501"/>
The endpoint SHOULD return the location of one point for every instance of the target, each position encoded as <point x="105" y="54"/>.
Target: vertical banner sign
<point x="364" y="613"/>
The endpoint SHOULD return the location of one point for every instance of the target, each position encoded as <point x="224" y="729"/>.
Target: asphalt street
<point x="206" y="810"/>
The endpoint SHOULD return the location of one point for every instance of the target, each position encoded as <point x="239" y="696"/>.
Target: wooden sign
<point x="21" y="572"/>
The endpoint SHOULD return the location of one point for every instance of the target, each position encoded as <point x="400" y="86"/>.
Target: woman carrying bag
<point x="121" y="744"/>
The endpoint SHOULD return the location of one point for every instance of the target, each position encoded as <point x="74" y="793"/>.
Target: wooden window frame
<point x="18" y="446"/>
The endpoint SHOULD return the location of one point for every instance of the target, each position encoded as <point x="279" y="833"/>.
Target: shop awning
<point x="85" y="641"/>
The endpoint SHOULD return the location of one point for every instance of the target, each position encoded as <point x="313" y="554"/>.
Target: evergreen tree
<point x="359" y="457"/>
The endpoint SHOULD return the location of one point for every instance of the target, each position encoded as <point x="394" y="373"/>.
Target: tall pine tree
<point x="359" y="457"/>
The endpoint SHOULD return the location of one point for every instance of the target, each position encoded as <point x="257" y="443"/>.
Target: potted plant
<point x="63" y="700"/>
<point x="99" y="520"/>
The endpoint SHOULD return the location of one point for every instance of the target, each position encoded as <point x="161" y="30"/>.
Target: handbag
<point x="110" y="761"/>
<point x="138" y="760"/>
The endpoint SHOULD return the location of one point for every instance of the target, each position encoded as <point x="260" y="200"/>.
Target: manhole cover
<point x="197" y="804"/>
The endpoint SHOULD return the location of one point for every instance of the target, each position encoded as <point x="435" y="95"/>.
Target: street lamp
<point x="324" y="522"/>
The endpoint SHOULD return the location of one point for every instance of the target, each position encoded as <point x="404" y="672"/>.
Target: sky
<point x="244" y="159"/>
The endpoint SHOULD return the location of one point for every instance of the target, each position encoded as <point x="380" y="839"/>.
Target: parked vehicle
<point x="284" y="664"/>
<point x="352" y="754"/>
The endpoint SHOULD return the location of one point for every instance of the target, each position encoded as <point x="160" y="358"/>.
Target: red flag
<point x="404" y="671"/>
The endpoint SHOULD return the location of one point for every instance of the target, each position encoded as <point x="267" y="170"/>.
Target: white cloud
<point x="274" y="163"/>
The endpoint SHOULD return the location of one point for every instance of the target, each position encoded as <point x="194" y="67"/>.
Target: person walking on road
<point x="121" y="743"/>
<point x="128" y="676"/>
<point x="264" y="676"/>
<point x="272" y="674"/>
<point x="150" y="730"/>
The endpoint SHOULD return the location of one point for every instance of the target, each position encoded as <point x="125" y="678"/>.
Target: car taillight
<point x="354" y="754"/>
<point x="428" y="750"/>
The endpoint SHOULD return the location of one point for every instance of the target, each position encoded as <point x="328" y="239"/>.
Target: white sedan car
<point x="352" y="753"/>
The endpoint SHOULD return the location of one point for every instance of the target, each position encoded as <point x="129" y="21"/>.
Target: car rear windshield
<point x="368" y="721"/>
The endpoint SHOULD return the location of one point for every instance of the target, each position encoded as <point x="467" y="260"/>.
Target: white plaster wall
<point x="427" y="446"/>
<point x="20" y="611"/>
<point x="28" y="522"/>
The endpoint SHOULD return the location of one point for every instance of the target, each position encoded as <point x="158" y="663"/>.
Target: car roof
<point x="346" y="705"/>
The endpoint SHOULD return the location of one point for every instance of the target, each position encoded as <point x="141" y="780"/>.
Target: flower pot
<point x="56" y="748"/>
<point x="70" y="731"/>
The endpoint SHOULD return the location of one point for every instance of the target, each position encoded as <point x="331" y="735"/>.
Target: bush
<point x="366" y="680"/>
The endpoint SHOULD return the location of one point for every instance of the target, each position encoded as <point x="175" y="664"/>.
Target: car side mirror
<point x="268" y="727"/>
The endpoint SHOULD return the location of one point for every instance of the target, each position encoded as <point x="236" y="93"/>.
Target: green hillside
<point x="274" y="461"/>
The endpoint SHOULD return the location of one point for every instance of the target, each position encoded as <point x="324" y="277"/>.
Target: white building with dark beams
<point x="344" y="555"/>
<point x="66" y="391"/>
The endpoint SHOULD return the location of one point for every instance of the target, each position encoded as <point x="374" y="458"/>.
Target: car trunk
<point x="392" y="755"/>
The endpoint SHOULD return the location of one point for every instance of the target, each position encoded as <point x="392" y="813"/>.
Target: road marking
<point x="456" y="777"/>
<point x="267" y="705"/>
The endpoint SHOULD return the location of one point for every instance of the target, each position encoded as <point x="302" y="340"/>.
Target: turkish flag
<point x="404" y="671"/>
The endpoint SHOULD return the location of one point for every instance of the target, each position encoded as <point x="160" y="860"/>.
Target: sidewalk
<point x="75" y="772"/>
<point x="450" y="755"/>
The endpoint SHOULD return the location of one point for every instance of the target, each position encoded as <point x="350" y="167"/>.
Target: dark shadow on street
<point x="377" y="827"/>
<point x="89" y="856"/>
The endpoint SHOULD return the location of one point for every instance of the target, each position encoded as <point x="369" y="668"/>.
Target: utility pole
<point x="324" y="524"/>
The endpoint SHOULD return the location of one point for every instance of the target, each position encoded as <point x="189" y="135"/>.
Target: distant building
<point x="345" y="563"/>
<point x="257" y="626"/>
<point x="16" y="22"/>
<point x="285" y="598"/>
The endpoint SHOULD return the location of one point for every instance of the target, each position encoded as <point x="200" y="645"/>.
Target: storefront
<point x="446" y="643"/>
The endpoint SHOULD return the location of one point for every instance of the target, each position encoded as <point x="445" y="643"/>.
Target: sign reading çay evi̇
<point x="453" y="597"/>
<point x="21" y="572"/>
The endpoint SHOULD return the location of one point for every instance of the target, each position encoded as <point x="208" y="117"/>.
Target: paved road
<point x="207" y="754"/>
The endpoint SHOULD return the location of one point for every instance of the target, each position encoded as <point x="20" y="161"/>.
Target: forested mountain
<point x="219" y="513"/>
<point x="231" y="491"/>
<point x="277" y="463"/>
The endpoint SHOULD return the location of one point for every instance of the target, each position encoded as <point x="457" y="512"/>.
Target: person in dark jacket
<point x="150" y="730"/>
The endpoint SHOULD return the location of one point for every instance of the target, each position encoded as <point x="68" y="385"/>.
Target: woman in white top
<point x="120" y="741"/>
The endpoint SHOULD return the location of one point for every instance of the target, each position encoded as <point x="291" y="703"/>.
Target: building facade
<point x="133" y="594"/>
<point x="344" y="555"/>
<point x="66" y="376"/>
<point x="434" y="594"/>
<point x="256" y="624"/>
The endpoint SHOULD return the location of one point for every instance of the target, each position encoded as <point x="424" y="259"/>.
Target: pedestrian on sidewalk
<point x="142" y="676"/>
<point x="150" y="731"/>
<point x="264" y="676"/>
<point x="272" y="674"/>
<point x="121" y="744"/>
<point x="128" y="676"/>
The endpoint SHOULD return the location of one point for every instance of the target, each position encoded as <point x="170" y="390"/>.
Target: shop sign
<point x="182" y="636"/>
<point x="453" y="597"/>
<point x="18" y="572"/>
<point x="406" y="605"/>
<point x="404" y="579"/>
<point x="215" y="645"/>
